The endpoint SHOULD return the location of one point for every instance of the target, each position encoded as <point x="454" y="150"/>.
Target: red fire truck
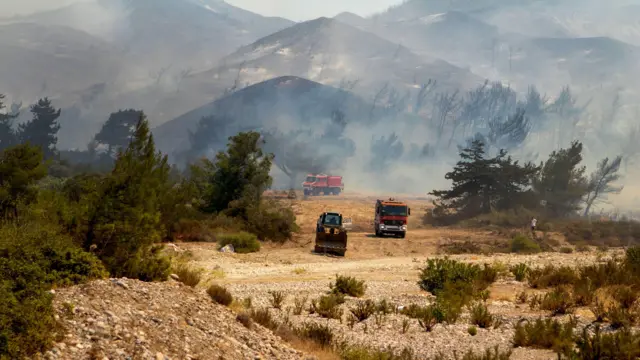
<point x="391" y="217"/>
<point x="316" y="184"/>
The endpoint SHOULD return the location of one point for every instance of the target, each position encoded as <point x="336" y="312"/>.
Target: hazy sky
<point x="296" y="10"/>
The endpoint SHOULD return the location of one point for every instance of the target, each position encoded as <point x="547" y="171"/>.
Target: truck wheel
<point x="336" y="191"/>
<point x="403" y="234"/>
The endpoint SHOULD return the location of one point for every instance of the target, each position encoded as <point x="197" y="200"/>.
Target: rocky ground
<point x="125" y="319"/>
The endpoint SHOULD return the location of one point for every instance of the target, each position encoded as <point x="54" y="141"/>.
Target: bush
<point x="277" y="298"/>
<point x="545" y="334"/>
<point x="632" y="259"/>
<point x="430" y="316"/>
<point x="147" y="264"/>
<point x="243" y="242"/>
<point x="363" y="310"/>
<point x="220" y="295"/>
<point x="264" y="318"/>
<point x="520" y="271"/>
<point x="566" y="250"/>
<point x="559" y="301"/>
<point x="619" y="345"/>
<point x="466" y="247"/>
<point x="598" y="233"/>
<point x="439" y="272"/>
<point x="271" y="221"/>
<point x="472" y="330"/>
<point x="34" y="258"/>
<point x="299" y="304"/>
<point x="481" y="316"/>
<point x="625" y="295"/>
<point x="457" y="282"/>
<point x="320" y="334"/>
<point x="521" y="244"/>
<point x="348" y="285"/>
<point x="551" y="276"/>
<point x="187" y="275"/>
<point x="328" y="306"/>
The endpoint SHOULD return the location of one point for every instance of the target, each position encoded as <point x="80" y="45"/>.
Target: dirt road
<point x="390" y="267"/>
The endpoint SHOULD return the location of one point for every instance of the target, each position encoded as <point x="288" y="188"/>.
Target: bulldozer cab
<point x="331" y="236"/>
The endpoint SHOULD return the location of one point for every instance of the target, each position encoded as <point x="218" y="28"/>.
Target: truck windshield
<point x="310" y="179"/>
<point x="332" y="219"/>
<point x="394" y="210"/>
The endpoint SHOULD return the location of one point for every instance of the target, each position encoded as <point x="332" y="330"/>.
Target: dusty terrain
<point x="388" y="265"/>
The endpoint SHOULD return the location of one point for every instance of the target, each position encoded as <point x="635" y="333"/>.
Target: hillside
<point x="329" y="51"/>
<point x="160" y="33"/>
<point x="39" y="60"/>
<point x="118" y="317"/>
<point x="286" y="103"/>
<point x="508" y="40"/>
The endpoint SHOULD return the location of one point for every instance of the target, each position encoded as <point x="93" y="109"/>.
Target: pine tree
<point x="126" y="220"/>
<point x="8" y="135"/>
<point x="41" y="131"/>
<point x="601" y="182"/>
<point x="241" y="174"/>
<point x="118" y="130"/>
<point x="482" y="185"/>
<point x="20" y="167"/>
<point x="561" y="183"/>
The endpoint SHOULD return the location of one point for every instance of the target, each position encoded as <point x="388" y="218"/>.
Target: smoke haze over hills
<point x="396" y="93"/>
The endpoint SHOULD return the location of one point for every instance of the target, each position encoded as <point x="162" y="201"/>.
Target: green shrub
<point x="521" y="244"/>
<point x="619" y="317"/>
<point x="363" y="310"/>
<point x="551" y="276"/>
<point x="187" y="275"/>
<point x="598" y="233"/>
<point x="496" y="354"/>
<point x="466" y="247"/>
<point x="472" y="330"/>
<point x="348" y="285"/>
<point x="299" y="304"/>
<point x="559" y="301"/>
<point x="220" y="295"/>
<point x="625" y="295"/>
<point x="632" y="259"/>
<point x="243" y="242"/>
<point x="320" y="334"/>
<point x="439" y="272"/>
<point x="34" y="258"/>
<point x="622" y="344"/>
<point x="328" y="306"/>
<point x="277" y="298"/>
<point x="271" y="221"/>
<point x="264" y="318"/>
<point x="147" y="264"/>
<point x="520" y="271"/>
<point x="430" y="316"/>
<point x="566" y="250"/>
<point x="545" y="334"/>
<point x="481" y="316"/>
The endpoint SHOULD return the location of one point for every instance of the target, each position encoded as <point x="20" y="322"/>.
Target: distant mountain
<point x="513" y="40"/>
<point x="38" y="61"/>
<point x="329" y="52"/>
<point x="162" y="33"/>
<point x="286" y="103"/>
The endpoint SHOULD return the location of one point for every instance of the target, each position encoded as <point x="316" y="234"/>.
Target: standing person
<point x="534" y="222"/>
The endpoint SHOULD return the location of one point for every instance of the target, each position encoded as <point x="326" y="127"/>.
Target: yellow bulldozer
<point x="331" y="235"/>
